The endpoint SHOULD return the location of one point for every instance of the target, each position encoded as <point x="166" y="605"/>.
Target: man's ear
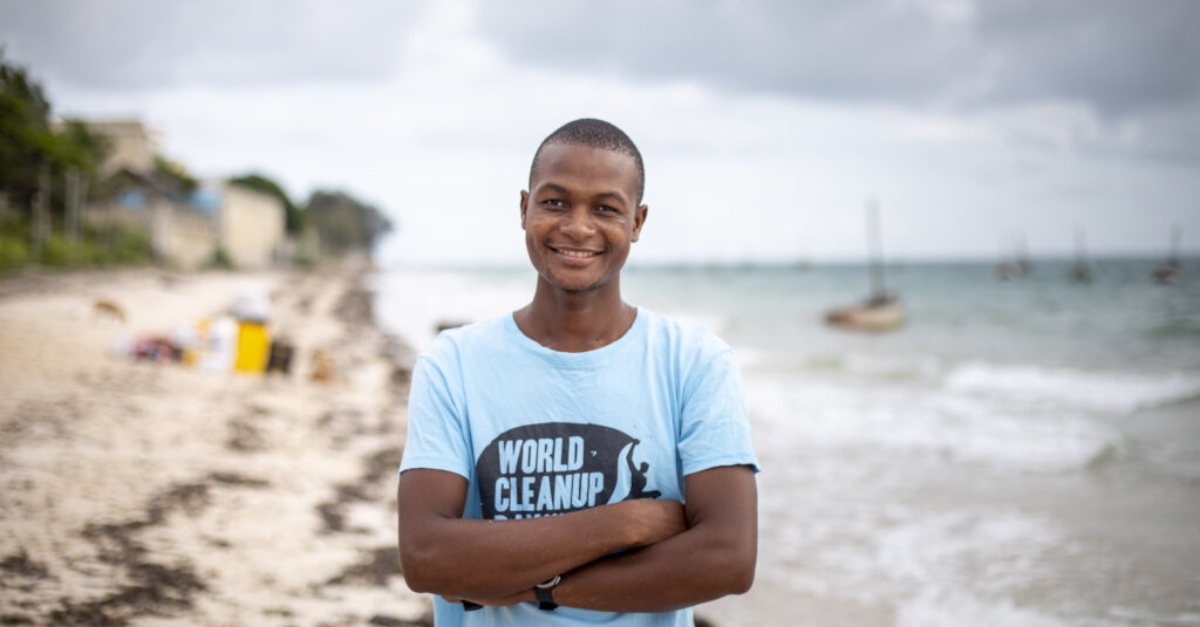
<point x="639" y="218"/>
<point x="524" y="206"/>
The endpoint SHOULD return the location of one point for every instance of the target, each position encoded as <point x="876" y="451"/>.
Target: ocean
<point x="1020" y="453"/>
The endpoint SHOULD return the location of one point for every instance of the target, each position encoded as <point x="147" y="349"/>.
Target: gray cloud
<point x="134" y="44"/>
<point x="1115" y="56"/>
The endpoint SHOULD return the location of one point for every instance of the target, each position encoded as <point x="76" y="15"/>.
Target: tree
<point x="344" y="223"/>
<point x="258" y="182"/>
<point x="29" y="143"/>
<point x="25" y="136"/>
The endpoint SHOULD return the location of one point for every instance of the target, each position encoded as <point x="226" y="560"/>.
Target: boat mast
<point x="1173" y="259"/>
<point x="874" y="249"/>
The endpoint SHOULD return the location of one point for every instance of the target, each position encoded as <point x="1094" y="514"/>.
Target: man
<point x="580" y="460"/>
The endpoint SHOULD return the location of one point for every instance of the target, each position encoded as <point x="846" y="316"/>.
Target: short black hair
<point x="595" y="133"/>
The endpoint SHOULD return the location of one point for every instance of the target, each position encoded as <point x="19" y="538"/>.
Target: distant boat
<point x="1007" y="270"/>
<point x="1083" y="271"/>
<point x="883" y="310"/>
<point x="1019" y="266"/>
<point x="1171" y="272"/>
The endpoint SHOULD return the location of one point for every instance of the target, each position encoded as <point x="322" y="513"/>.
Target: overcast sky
<point x="765" y="125"/>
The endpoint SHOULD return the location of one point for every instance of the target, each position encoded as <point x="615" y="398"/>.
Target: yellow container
<point x="253" y="347"/>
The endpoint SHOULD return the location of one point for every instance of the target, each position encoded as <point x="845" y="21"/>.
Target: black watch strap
<point x="545" y="593"/>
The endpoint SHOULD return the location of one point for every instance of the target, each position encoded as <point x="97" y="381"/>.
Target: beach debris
<point x="107" y="308"/>
<point x="322" y="369"/>
<point x="280" y="357"/>
<point x="155" y="348"/>
<point x="446" y="325"/>
<point x="153" y="589"/>
<point x="237" y="340"/>
<point x="382" y="620"/>
<point x="377" y="566"/>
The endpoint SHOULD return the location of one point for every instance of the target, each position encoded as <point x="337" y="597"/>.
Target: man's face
<point x="580" y="215"/>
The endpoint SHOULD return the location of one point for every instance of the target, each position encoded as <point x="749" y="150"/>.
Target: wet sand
<point x="141" y="493"/>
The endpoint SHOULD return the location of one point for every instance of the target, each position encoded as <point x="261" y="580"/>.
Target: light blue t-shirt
<point x="539" y="432"/>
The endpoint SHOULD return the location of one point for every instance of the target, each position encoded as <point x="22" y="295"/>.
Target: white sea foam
<point x="916" y="366"/>
<point x="953" y="609"/>
<point x="1111" y="392"/>
<point x="927" y="421"/>
<point x="965" y="567"/>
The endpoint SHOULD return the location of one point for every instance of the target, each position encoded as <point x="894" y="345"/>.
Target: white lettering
<point x="510" y="452"/>
<point x="578" y="490"/>
<point x="562" y="492"/>
<point x="545" y="497"/>
<point x="501" y="502"/>
<point x="527" y="493"/>
<point x="575" y="461"/>
<point x="559" y="464"/>
<point x="545" y="454"/>
<point x="596" y="487"/>
<point x="529" y="456"/>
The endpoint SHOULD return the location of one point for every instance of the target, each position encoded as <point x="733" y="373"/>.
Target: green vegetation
<point x="258" y="182"/>
<point x="220" y="260"/>
<point x="48" y="174"/>
<point x="345" y="224"/>
<point x="30" y="150"/>
<point x="112" y="244"/>
<point x="175" y="173"/>
<point x="14" y="251"/>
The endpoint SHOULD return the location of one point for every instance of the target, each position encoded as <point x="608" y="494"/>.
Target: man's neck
<point x="575" y="322"/>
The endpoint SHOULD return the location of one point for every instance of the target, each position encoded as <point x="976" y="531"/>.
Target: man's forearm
<point x="690" y="568"/>
<point x="713" y="558"/>
<point x="445" y="554"/>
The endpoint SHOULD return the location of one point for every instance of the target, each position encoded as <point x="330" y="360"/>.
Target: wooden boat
<point x="879" y="313"/>
<point x="1170" y="272"/>
<point x="883" y="311"/>
<point x="1020" y="264"/>
<point x="1083" y="271"/>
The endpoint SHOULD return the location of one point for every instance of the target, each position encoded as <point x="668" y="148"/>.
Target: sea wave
<point x="927" y="422"/>
<point x="998" y="551"/>
<point x="1111" y="392"/>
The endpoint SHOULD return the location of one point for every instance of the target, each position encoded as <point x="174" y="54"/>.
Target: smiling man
<point x="580" y="460"/>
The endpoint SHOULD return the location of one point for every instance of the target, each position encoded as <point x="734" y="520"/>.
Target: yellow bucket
<point x="253" y="347"/>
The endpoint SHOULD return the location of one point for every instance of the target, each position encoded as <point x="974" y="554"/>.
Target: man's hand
<point x="654" y="520"/>
<point x="442" y="553"/>
<point x="713" y="558"/>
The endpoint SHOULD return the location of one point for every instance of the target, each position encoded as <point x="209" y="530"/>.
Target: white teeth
<point x="578" y="253"/>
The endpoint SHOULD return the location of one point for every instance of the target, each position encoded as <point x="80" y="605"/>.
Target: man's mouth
<point x="581" y="254"/>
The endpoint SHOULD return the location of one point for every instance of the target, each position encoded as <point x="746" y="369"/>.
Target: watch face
<point x="545" y="595"/>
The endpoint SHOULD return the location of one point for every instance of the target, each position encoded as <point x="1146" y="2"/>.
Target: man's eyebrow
<point x="559" y="189"/>
<point x="616" y="195"/>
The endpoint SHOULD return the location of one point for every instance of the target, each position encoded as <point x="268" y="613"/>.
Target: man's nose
<point x="578" y="223"/>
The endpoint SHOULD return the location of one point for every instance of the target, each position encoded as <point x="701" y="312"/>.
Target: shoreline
<point x="137" y="492"/>
<point x="145" y="493"/>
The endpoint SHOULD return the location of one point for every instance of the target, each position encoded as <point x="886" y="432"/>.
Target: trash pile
<point x="238" y="340"/>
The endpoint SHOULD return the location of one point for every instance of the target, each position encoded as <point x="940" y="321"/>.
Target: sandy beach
<point x="147" y="493"/>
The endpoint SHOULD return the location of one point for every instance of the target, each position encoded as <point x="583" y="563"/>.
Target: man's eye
<point x="606" y="208"/>
<point x="554" y="202"/>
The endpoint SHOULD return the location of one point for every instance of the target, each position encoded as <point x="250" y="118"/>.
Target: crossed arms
<point x="680" y="555"/>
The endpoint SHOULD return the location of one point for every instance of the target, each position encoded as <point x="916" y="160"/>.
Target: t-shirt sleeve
<point x="715" y="426"/>
<point x="437" y="434"/>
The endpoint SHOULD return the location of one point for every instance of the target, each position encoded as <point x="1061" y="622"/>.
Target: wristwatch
<point x="545" y="593"/>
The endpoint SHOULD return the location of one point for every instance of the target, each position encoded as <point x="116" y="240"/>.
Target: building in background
<point x="251" y="228"/>
<point x="190" y="223"/>
<point x="134" y="145"/>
